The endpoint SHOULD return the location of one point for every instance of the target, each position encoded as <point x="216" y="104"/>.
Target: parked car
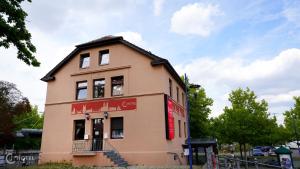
<point x="271" y="152"/>
<point x="257" y="152"/>
<point x="266" y="148"/>
<point x="292" y="145"/>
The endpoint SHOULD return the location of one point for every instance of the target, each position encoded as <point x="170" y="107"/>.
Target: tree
<point x="12" y="104"/>
<point x="31" y="119"/>
<point x="13" y="30"/>
<point x="292" y="119"/>
<point x="246" y="121"/>
<point x="199" y="111"/>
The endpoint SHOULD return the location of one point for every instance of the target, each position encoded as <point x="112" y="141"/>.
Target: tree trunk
<point x="241" y="152"/>
<point x="245" y="151"/>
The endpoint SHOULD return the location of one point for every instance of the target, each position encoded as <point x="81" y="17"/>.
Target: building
<point x="109" y="99"/>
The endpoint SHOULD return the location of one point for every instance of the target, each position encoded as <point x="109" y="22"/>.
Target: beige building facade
<point x="112" y="103"/>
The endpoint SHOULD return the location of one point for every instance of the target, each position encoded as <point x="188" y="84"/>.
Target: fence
<point x="12" y="159"/>
<point x="225" y="162"/>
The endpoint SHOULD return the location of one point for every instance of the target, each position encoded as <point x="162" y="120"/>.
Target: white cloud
<point x="196" y="19"/>
<point x="133" y="37"/>
<point x="292" y="12"/>
<point x="27" y="78"/>
<point x="157" y="4"/>
<point x="281" y="97"/>
<point x="276" y="79"/>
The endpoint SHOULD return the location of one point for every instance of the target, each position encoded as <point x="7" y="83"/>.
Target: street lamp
<point x="195" y="86"/>
<point x="296" y="128"/>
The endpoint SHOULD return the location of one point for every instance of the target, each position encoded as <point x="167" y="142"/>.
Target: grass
<point x="69" y="166"/>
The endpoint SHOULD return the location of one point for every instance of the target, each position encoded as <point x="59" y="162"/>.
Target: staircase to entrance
<point x="91" y="146"/>
<point x="116" y="158"/>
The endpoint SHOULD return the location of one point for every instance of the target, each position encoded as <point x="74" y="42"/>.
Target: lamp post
<point x="188" y="118"/>
<point x="296" y="129"/>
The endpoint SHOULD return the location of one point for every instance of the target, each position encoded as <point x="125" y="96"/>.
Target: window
<point x="184" y="127"/>
<point x="170" y="88"/>
<point x="182" y="99"/>
<point x="117" y="84"/>
<point x="79" y="129"/>
<point x="99" y="88"/>
<point x="179" y="127"/>
<point x="81" y="90"/>
<point x="177" y="94"/>
<point x="104" y="57"/>
<point x="116" y="127"/>
<point x="85" y="60"/>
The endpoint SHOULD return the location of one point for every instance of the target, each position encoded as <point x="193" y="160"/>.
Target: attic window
<point x="104" y="57"/>
<point x="84" y="60"/>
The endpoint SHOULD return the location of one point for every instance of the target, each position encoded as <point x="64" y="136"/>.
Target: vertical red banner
<point x="170" y="128"/>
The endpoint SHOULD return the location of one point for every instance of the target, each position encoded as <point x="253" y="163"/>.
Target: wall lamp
<point x="87" y="115"/>
<point x="106" y="115"/>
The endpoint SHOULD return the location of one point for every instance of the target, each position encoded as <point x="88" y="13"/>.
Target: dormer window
<point x="84" y="60"/>
<point x="104" y="57"/>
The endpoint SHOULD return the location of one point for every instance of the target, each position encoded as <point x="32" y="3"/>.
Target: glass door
<point x="97" y="141"/>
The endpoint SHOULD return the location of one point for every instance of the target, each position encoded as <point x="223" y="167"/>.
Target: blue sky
<point x="220" y="44"/>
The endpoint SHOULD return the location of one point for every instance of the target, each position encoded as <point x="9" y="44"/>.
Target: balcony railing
<point x="86" y="146"/>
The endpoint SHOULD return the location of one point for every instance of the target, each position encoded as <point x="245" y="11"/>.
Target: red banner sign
<point x="104" y="105"/>
<point x="171" y="107"/>
<point x="170" y="123"/>
<point x="179" y="110"/>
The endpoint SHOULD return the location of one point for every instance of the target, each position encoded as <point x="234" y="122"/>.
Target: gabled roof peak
<point x="102" y="39"/>
<point x="109" y="40"/>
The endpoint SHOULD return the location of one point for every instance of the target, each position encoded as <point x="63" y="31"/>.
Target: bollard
<point x="238" y="166"/>
<point x="256" y="163"/>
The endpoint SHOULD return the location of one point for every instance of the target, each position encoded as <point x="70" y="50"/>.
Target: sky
<point x="219" y="44"/>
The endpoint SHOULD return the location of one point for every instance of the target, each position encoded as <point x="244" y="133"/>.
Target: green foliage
<point x="292" y="120"/>
<point x="13" y="30"/>
<point x="12" y="104"/>
<point x="246" y="121"/>
<point x="199" y="111"/>
<point x="27" y="143"/>
<point x="31" y="119"/>
<point x="243" y="118"/>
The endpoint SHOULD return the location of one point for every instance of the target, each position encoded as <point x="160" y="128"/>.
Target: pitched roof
<point x="108" y="40"/>
<point x="283" y="150"/>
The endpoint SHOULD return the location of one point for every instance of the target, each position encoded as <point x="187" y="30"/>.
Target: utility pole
<point x="188" y="118"/>
<point x="188" y="122"/>
<point x="296" y="128"/>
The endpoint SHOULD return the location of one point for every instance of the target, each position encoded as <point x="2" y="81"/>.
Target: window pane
<point x="82" y="93"/>
<point x="104" y="58"/>
<point x="117" y="85"/>
<point x="170" y="88"/>
<point x="79" y="129"/>
<point x="117" y="134"/>
<point x="177" y="94"/>
<point x="81" y="84"/>
<point x="85" y="62"/>
<point x="99" y="88"/>
<point x="117" y="127"/>
<point x="117" y="90"/>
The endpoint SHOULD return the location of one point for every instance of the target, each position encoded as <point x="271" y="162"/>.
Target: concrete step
<point x="116" y="158"/>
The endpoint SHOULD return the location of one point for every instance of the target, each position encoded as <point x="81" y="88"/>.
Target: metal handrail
<point x="110" y="146"/>
<point x="256" y="163"/>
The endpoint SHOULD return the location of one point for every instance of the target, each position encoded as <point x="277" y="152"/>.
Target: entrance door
<point x="97" y="143"/>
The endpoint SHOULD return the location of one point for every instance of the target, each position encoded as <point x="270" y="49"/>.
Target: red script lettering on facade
<point x="104" y="105"/>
